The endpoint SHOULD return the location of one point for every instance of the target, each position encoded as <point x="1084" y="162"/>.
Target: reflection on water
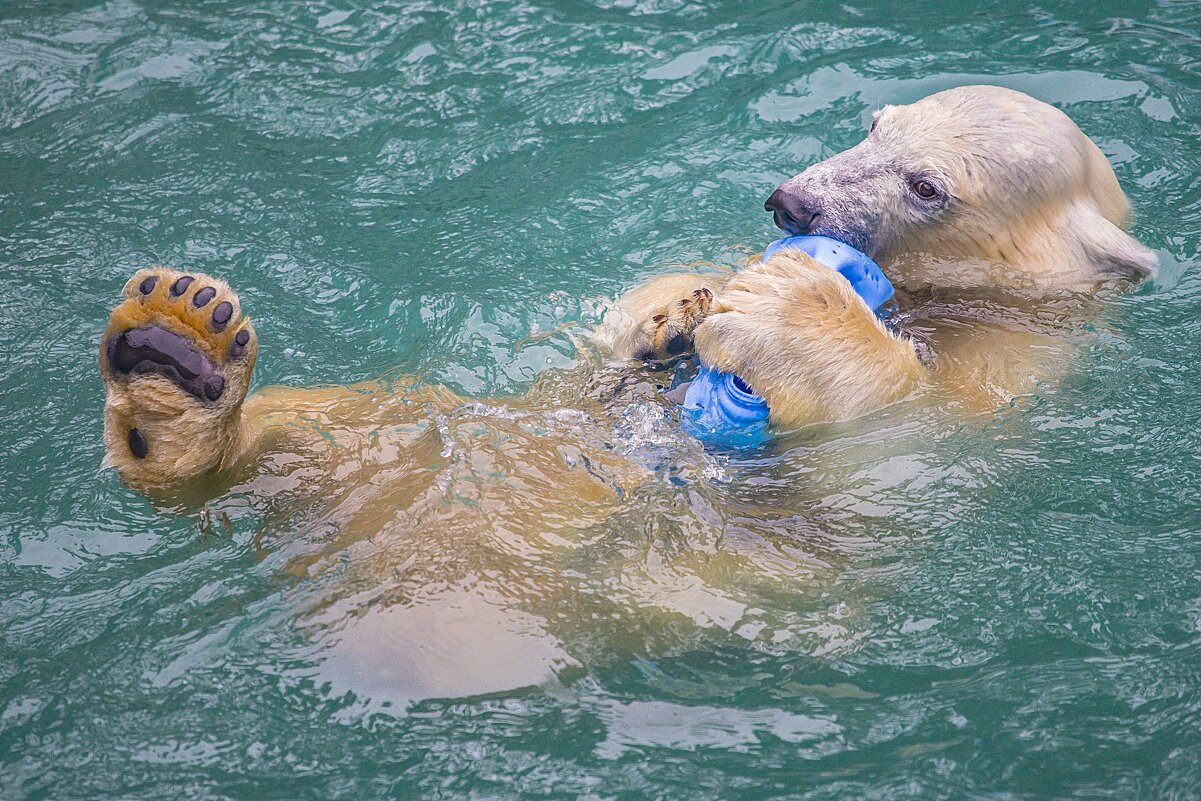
<point x="457" y="644"/>
<point x="567" y="597"/>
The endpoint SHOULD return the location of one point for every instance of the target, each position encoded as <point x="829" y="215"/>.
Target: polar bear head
<point x="974" y="186"/>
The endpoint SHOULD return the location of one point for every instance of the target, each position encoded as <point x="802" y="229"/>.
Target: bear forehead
<point x="982" y="133"/>
<point x="981" y="114"/>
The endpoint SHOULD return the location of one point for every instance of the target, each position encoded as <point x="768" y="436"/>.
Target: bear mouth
<point x="154" y="350"/>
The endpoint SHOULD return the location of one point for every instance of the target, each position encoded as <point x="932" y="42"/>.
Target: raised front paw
<point x="176" y="359"/>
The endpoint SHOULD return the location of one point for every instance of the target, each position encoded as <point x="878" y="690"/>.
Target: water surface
<point x="1007" y="606"/>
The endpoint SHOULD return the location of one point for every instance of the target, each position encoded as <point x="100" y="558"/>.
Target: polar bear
<point x="986" y="207"/>
<point x="992" y="212"/>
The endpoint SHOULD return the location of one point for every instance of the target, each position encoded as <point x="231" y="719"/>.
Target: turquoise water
<point x="1002" y="607"/>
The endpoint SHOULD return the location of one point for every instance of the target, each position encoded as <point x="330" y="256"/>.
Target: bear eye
<point x="925" y="189"/>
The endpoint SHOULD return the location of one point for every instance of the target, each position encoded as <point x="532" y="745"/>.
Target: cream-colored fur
<point x="1026" y="226"/>
<point x="449" y="523"/>
<point x="190" y="440"/>
<point x="655" y="320"/>
<point x="1033" y="202"/>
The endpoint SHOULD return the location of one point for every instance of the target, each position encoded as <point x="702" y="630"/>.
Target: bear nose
<point x="795" y="212"/>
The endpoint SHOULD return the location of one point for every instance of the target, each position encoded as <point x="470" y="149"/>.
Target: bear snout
<point x="794" y="211"/>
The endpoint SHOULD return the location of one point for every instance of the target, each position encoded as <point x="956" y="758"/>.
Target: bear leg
<point x="176" y="359"/>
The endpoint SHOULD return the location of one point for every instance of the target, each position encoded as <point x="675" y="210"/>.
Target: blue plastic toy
<point x="865" y="276"/>
<point x="720" y="408"/>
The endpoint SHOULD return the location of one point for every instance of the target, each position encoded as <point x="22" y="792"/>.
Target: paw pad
<point x="137" y="444"/>
<point x="175" y="326"/>
<point x="677" y="344"/>
<point x="238" y="348"/>
<point x="221" y="315"/>
<point x="201" y="298"/>
<point x="154" y="350"/>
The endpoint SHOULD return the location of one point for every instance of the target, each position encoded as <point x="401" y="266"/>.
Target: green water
<point x="1004" y="607"/>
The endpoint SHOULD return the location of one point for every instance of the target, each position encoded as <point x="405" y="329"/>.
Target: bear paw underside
<point x="186" y="327"/>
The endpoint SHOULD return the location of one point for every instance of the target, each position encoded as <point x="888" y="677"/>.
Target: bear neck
<point x="1047" y="253"/>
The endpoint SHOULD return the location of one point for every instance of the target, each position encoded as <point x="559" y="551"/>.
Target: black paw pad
<point x="677" y="344"/>
<point x="137" y="444"/>
<point x="221" y="314"/>
<point x="154" y="350"/>
<point x="214" y="385"/>
<point x="148" y="284"/>
<point x="202" y="297"/>
<point x="239" y="346"/>
<point x="181" y="285"/>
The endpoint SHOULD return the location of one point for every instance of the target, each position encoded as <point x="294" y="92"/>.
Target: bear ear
<point x="1112" y="252"/>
